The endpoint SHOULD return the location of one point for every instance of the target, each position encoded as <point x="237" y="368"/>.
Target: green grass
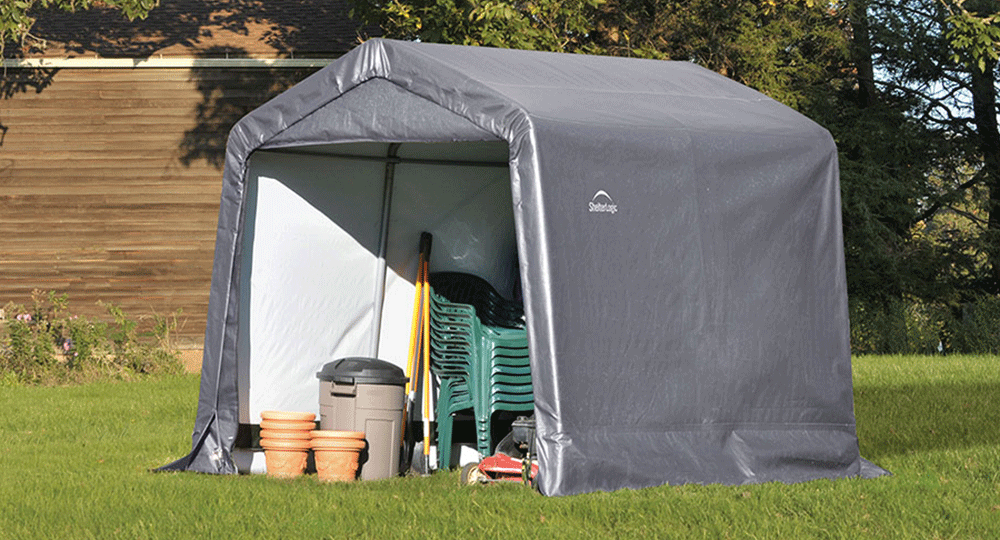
<point x="76" y="464"/>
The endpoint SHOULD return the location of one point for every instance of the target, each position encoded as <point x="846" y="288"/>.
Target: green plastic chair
<point x="491" y="308"/>
<point x="482" y="369"/>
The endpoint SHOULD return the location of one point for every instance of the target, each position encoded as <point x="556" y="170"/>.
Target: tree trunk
<point x="861" y="52"/>
<point x="984" y="103"/>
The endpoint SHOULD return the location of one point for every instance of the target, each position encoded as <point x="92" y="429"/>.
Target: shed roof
<point x="605" y="92"/>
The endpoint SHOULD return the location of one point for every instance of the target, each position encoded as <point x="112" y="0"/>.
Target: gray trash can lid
<point x="362" y="371"/>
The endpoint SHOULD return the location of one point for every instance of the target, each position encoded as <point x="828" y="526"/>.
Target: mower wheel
<point x="471" y="475"/>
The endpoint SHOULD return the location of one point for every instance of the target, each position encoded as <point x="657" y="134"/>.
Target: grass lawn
<point x="76" y="460"/>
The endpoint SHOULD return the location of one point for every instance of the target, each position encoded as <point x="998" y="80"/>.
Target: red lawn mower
<point x="513" y="461"/>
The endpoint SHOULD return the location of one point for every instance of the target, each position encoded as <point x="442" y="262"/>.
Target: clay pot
<point x="288" y="425"/>
<point x="284" y="434"/>
<point x="330" y="434"/>
<point x="285" y="444"/>
<point x="325" y="443"/>
<point x="288" y="415"/>
<point x="337" y="458"/>
<point x="285" y="458"/>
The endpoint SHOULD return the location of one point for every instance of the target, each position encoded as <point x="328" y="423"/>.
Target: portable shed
<point x="676" y="235"/>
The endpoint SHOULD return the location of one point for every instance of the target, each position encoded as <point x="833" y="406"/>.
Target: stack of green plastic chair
<point x="504" y="378"/>
<point x="481" y="367"/>
<point x="452" y="347"/>
<point x="491" y="307"/>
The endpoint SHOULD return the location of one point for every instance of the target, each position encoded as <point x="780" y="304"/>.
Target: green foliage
<point x="885" y="157"/>
<point x="45" y="344"/>
<point x="912" y="326"/>
<point x="978" y="327"/>
<point x="897" y="327"/>
<point x="551" y="25"/>
<point x="32" y="336"/>
<point x="975" y="34"/>
<point x="136" y="353"/>
<point x="17" y="16"/>
<point x="787" y="50"/>
<point x="940" y="56"/>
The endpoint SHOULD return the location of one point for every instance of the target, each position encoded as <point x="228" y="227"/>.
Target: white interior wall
<point x="308" y="247"/>
<point x="469" y="212"/>
<point x="310" y="257"/>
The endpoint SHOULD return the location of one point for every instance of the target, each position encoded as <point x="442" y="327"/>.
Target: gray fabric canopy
<point x="677" y="237"/>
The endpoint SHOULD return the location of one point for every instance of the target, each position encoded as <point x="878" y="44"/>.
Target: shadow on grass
<point x="898" y="420"/>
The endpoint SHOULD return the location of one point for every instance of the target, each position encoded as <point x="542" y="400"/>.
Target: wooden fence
<point x="110" y="182"/>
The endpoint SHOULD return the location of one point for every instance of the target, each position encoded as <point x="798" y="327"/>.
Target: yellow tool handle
<point x="427" y="368"/>
<point x="415" y="327"/>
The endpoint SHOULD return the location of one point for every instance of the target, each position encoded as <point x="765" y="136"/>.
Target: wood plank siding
<point x="110" y="182"/>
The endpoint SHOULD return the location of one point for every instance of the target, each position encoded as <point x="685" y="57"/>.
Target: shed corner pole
<point x="380" y="271"/>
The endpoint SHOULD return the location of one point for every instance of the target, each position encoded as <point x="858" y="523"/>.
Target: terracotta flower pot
<point x="285" y="458"/>
<point x="285" y="463"/>
<point x="286" y="425"/>
<point x="348" y="444"/>
<point x="337" y="459"/>
<point x="330" y="434"/>
<point x="285" y="444"/>
<point x="284" y="434"/>
<point x="288" y="415"/>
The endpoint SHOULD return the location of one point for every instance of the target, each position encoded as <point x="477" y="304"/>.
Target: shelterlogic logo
<point x="602" y="202"/>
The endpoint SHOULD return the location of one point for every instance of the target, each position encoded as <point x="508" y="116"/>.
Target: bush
<point x="912" y="326"/>
<point x="46" y="344"/>
<point x="896" y="327"/>
<point x="978" y="329"/>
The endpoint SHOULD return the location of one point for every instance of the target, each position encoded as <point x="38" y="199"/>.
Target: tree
<point x="788" y="50"/>
<point x="16" y="16"/>
<point x="549" y="25"/>
<point x="975" y="36"/>
<point x="942" y="56"/>
<point x="888" y="160"/>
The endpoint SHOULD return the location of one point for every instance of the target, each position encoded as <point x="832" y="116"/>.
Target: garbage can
<point x="365" y="394"/>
